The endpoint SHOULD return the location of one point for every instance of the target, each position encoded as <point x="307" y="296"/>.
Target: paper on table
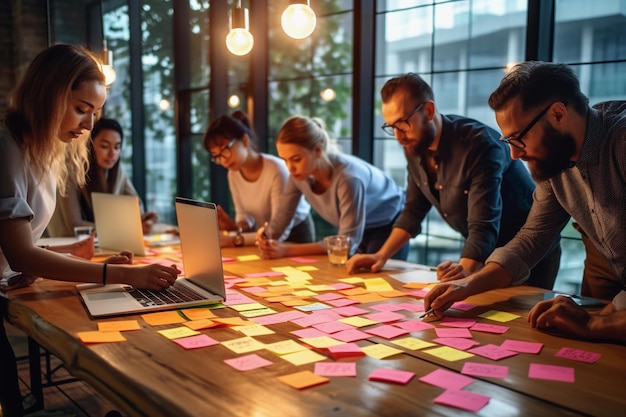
<point x="248" y="362"/>
<point x="195" y="342"/>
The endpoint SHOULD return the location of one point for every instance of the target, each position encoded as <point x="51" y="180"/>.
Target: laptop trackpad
<point x="105" y="296"/>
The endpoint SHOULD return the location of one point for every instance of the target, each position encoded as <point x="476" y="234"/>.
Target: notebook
<point x="202" y="284"/>
<point x="118" y="223"/>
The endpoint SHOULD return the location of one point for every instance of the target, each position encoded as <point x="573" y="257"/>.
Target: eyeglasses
<point x="517" y="142"/>
<point x="225" y="152"/>
<point x="402" y="125"/>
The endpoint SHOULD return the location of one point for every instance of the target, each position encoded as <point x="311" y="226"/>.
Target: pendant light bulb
<point x="239" y="40"/>
<point x="107" y="66"/>
<point x="298" y="20"/>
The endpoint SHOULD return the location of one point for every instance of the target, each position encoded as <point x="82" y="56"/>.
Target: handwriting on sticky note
<point x="303" y="379"/>
<point x="412" y="343"/>
<point x="243" y="345"/>
<point x="447" y="379"/>
<point x="303" y="357"/>
<point x="379" y="351"/>
<point x="501" y="316"/>
<point x="484" y="369"/>
<point x="196" y="342"/>
<point x="448" y="353"/>
<point x="465" y="400"/>
<point x="493" y="352"/>
<point x="391" y="375"/>
<point x="578" y="355"/>
<point x="248" y="362"/>
<point x="101" y="337"/>
<point x="178" y="332"/>
<point x="118" y="326"/>
<point x="522" y="346"/>
<point x="335" y="368"/>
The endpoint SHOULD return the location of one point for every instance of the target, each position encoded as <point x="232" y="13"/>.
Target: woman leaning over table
<point x="357" y="198"/>
<point x="105" y="175"/>
<point x="49" y="116"/>
<point x="256" y="181"/>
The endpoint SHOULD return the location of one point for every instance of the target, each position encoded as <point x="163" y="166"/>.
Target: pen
<point x="430" y="310"/>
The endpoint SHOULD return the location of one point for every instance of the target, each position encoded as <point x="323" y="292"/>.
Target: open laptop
<point x="118" y="223"/>
<point x="202" y="284"/>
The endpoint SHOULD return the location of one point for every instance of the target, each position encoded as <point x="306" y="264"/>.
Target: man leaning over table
<point x="577" y="157"/>
<point x="458" y="166"/>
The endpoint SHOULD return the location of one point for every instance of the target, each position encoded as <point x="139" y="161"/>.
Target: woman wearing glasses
<point x="357" y="198"/>
<point x="256" y="181"/>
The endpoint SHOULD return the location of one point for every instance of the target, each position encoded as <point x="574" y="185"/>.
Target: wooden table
<point x="149" y="375"/>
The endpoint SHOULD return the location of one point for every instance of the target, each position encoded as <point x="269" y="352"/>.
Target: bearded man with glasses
<point x="577" y="156"/>
<point x="458" y="166"/>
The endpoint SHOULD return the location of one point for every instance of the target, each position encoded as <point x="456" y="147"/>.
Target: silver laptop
<point x="202" y="284"/>
<point x="118" y="223"/>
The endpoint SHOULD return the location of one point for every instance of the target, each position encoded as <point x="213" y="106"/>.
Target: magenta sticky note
<point x="457" y="322"/>
<point x="349" y="311"/>
<point x="485" y="369"/>
<point x="350" y="335"/>
<point x="551" y="372"/>
<point x="283" y="317"/>
<point x="492" y="352"/>
<point x="489" y="328"/>
<point x="454" y="332"/>
<point x="345" y="350"/>
<point x="332" y="326"/>
<point x="460" y="343"/>
<point x="335" y="368"/>
<point x="248" y="362"/>
<point x="462" y="306"/>
<point x="303" y="260"/>
<point x="521" y="346"/>
<point x="578" y="355"/>
<point x="385" y="316"/>
<point x="418" y="293"/>
<point x="391" y="375"/>
<point x="465" y="400"/>
<point x="413" y="307"/>
<point x="447" y="379"/>
<point x="413" y="325"/>
<point x="386" y="331"/>
<point x="195" y="342"/>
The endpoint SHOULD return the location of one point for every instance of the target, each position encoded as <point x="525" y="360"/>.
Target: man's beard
<point x="560" y="148"/>
<point x="428" y="137"/>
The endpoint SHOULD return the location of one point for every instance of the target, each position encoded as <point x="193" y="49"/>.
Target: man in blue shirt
<point x="457" y="165"/>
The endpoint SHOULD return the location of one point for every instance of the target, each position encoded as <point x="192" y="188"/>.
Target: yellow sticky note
<point x="198" y="313"/>
<point x="248" y="306"/>
<point x="357" y="321"/>
<point x="295" y="302"/>
<point x="320" y="287"/>
<point x="118" y="326"/>
<point x="200" y="324"/>
<point x="253" y="330"/>
<point x="243" y="345"/>
<point x="244" y="258"/>
<point x="178" y="332"/>
<point x="321" y="341"/>
<point x="232" y="321"/>
<point x="101" y="337"/>
<point x="351" y="280"/>
<point x="501" y="316"/>
<point x="303" y="357"/>
<point x="412" y="343"/>
<point x="449" y="354"/>
<point x="379" y="351"/>
<point x="284" y="347"/>
<point x="304" y="293"/>
<point x="377" y="285"/>
<point x="163" y="317"/>
<point x="303" y="379"/>
<point x="367" y="298"/>
<point x="281" y="298"/>
<point x="307" y="268"/>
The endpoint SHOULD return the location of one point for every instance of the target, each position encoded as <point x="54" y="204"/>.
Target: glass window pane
<point x="199" y="42"/>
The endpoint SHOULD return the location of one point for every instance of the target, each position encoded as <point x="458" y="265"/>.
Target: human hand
<point x="124" y="257"/>
<point x="271" y="248"/>
<point x="84" y="248"/>
<point x="148" y="220"/>
<point x="153" y="277"/>
<point x="450" y="271"/>
<point x="369" y="261"/>
<point x="561" y="314"/>
<point x="442" y="296"/>
<point x="224" y="221"/>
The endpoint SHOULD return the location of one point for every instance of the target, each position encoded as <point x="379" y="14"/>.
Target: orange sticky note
<point x="233" y="321"/>
<point x="416" y="285"/>
<point x="163" y="317"/>
<point x="354" y="291"/>
<point x="118" y="326"/>
<point x="200" y="324"/>
<point x="303" y="379"/>
<point x="391" y="294"/>
<point x="101" y="337"/>
<point x="296" y="302"/>
<point x="198" y="313"/>
<point x="367" y="298"/>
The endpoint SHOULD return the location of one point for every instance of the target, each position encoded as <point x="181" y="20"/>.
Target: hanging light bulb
<point x="239" y="40"/>
<point x="328" y="94"/>
<point x="298" y="20"/>
<point x="234" y="101"/>
<point x="107" y="65"/>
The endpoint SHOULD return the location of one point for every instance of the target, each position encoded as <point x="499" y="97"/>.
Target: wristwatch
<point x="238" y="240"/>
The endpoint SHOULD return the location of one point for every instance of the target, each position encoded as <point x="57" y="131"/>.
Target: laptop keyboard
<point x="173" y="295"/>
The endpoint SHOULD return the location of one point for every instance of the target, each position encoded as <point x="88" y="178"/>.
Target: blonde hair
<point x="38" y="104"/>
<point x="307" y="132"/>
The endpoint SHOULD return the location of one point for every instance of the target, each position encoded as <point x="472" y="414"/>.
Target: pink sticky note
<point x="279" y="317"/>
<point x="195" y="342"/>
<point x="413" y="307"/>
<point x="306" y="333"/>
<point x="226" y="259"/>
<point x="329" y="296"/>
<point x="236" y="298"/>
<point x="345" y="350"/>
<point x="414" y="325"/>
<point x="489" y="328"/>
<point x="254" y="289"/>
<point x="457" y="322"/>
<point x="385" y="316"/>
<point x="551" y="372"/>
<point x="349" y="311"/>
<point x="335" y="368"/>
<point x="388" y="332"/>
<point x="391" y="375"/>
<point x="332" y="326"/>
<point x="350" y="335"/>
<point x="521" y="346"/>
<point x="341" y="286"/>
<point x="465" y="400"/>
<point x="248" y="362"/>
<point x="447" y="379"/>
<point x="303" y="260"/>
<point x="264" y="274"/>
<point x="418" y="293"/>
<point x="493" y="352"/>
<point x="578" y="355"/>
<point x="453" y="332"/>
<point x="462" y="306"/>
<point x="460" y="343"/>
<point x="386" y="307"/>
<point x="484" y="369"/>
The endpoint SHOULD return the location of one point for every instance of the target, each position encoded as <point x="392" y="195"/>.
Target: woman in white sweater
<point x="256" y="181"/>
